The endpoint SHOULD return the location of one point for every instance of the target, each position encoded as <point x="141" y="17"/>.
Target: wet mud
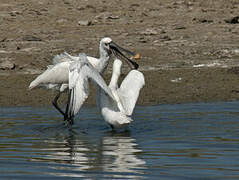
<point x="189" y="49"/>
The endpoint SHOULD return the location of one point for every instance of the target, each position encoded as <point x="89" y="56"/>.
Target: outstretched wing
<point x="129" y="90"/>
<point x="80" y="73"/>
<point x="79" y="91"/>
<point x="55" y="74"/>
<point x="63" y="57"/>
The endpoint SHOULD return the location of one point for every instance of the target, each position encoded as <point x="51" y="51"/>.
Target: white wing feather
<point x="129" y="90"/>
<point x="79" y="88"/>
<point x="63" y="57"/>
<point x="55" y="74"/>
<point x="80" y="74"/>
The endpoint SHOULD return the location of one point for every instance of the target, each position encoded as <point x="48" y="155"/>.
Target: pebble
<point x="61" y="21"/>
<point x="179" y="27"/>
<point x="176" y="80"/>
<point x="149" y="31"/>
<point x="15" y="13"/>
<point x="166" y="38"/>
<point x="106" y="15"/>
<point x="203" y="20"/>
<point x="7" y="65"/>
<point x="31" y="38"/>
<point x="234" y="20"/>
<point x="84" y="23"/>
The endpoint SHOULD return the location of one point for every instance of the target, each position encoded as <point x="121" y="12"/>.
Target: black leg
<point x="112" y="127"/>
<point x="70" y="121"/>
<point x="55" y="104"/>
<point x="67" y="116"/>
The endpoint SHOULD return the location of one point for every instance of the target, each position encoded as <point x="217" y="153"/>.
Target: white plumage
<point x="80" y="73"/>
<point x="57" y="75"/>
<point x="116" y="104"/>
<point x="117" y="111"/>
<point x="74" y="73"/>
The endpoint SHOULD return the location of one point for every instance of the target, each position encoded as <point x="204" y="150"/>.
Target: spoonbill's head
<point x="112" y="48"/>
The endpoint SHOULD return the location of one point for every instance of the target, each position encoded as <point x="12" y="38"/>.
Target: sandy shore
<point x="189" y="49"/>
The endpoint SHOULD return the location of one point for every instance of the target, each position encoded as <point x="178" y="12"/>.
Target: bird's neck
<point x="114" y="80"/>
<point x="116" y="71"/>
<point x="103" y="61"/>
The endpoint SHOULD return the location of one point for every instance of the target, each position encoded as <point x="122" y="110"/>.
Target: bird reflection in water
<point x="110" y="155"/>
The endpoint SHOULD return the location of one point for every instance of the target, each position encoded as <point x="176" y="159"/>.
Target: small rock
<point x="3" y="39"/>
<point x="66" y="2"/>
<point x="144" y="14"/>
<point x="84" y="23"/>
<point x="166" y="38"/>
<point x="179" y="27"/>
<point x="7" y="65"/>
<point x="61" y="21"/>
<point x="149" y="32"/>
<point x="31" y="38"/>
<point x="235" y="51"/>
<point x="102" y="15"/>
<point x="113" y="17"/>
<point x="134" y="5"/>
<point x="30" y="49"/>
<point x="142" y="40"/>
<point x="203" y="20"/>
<point x="234" y="91"/>
<point x="14" y="13"/>
<point x="234" y="20"/>
<point x="106" y="15"/>
<point x="80" y="8"/>
<point x="87" y="7"/>
<point x="90" y="7"/>
<point x="176" y="80"/>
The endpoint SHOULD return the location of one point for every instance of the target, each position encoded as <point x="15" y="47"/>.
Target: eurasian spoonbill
<point x="57" y="75"/>
<point x="115" y="103"/>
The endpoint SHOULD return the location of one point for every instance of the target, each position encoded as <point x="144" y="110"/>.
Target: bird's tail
<point x="123" y="119"/>
<point x="126" y="120"/>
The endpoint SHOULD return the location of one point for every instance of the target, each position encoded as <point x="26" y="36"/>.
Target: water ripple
<point x="183" y="141"/>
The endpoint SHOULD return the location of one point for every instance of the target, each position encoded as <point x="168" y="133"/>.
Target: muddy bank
<point x="162" y="86"/>
<point x="189" y="49"/>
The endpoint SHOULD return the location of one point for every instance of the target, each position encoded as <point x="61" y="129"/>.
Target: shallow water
<point x="182" y="141"/>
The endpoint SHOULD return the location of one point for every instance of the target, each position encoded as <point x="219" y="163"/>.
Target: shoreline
<point x="208" y="84"/>
<point x="189" y="50"/>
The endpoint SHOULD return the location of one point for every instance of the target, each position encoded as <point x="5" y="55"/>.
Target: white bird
<point x="117" y="111"/>
<point x="57" y="75"/>
<point x="116" y="104"/>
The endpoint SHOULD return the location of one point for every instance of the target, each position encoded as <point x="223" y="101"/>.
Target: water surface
<point x="182" y="141"/>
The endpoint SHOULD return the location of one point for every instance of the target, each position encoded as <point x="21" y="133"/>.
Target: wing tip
<point x="32" y="85"/>
<point x="60" y="57"/>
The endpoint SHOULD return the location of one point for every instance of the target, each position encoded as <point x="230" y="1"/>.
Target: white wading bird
<point x="116" y="104"/>
<point x="57" y="75"/>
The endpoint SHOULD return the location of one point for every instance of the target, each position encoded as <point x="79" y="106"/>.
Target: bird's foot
<point x="69" y="120"/>
<point x="112" y="127"/>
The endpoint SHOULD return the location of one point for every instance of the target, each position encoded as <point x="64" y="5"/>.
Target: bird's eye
<point x="107" y="44"/>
